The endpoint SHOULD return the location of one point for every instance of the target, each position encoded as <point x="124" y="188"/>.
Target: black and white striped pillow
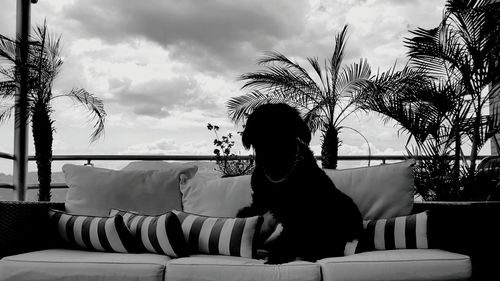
<point x="405" y="232"/>
<point x="161" y="234"/>
<point x="106" y="234"/>
<point x="220" y="236"/>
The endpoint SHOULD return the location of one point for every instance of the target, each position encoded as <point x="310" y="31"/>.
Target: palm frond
<point x="241" y="106"/>
<point x="472" y="20"/>
<point x="45" y="60"/>
<point x="92" y="104"/>
<point x="492" y="92"/>
<point x="436" y="50"/>
<point x="8" y="49"/>
<point x="455" y="123"/>
<point x="282" y="80"/>
<point x="411" y="119"/>
<point x="315" y="117"/>
<point x="337" y="56"/>
<point x="282" y="65"/>
<point x="397" y="95"/>
<point x="317" y="68"/>
<point x="345" y="110"/>
<point x="7" y="89"/>
<point x="490" y="124"/>
<point x="284" y="75"/>
<point x="465" y="41"/>
<point x="403" y="84"/>
<point x="353" y="78"/>
<point x="6" y="113"/>
<point x="8" y="72"/>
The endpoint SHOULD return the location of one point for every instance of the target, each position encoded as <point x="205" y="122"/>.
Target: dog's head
<point x="273" y="130"/>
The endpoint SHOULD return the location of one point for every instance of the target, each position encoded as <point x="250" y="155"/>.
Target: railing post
<point x="21" y="109"/>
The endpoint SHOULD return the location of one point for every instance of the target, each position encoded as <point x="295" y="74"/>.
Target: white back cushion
<point x="221" y="197"/>
<point x="94" y="191"/>
<point x="380" y="192"/>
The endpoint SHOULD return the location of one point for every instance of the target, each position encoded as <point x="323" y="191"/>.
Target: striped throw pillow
<point x="106" y="234"/>
<point x="405" y="232"/>
<point x="220" y="236"/>
<point x="161" y="234"/>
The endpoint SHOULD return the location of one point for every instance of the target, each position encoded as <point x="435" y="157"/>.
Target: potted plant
<point x="228" y="163"/>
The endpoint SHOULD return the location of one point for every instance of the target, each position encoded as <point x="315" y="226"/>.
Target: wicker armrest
<point x="24" y="226"/>
<point x="471" y="228"/>
<point x="466" y="227"/>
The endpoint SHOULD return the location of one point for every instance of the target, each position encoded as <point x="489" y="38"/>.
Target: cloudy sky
<point x="165" y="68"/>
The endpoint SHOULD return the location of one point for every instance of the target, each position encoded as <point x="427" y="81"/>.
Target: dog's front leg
<point x="282" y="249"/>
<point x="248" y="211"/>
<point x="258" y="207"/>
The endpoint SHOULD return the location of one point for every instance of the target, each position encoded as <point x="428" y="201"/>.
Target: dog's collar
<point x="286" y="176"/>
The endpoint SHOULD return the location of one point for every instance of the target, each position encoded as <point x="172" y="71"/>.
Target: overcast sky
<point x="165" y="68"/>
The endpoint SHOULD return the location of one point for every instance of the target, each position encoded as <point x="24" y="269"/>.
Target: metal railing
<point x="6" y="156"/>
<point x="89" y="158"/>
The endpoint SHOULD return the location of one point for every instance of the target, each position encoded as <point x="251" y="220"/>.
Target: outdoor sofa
<point x="460" y="240"/>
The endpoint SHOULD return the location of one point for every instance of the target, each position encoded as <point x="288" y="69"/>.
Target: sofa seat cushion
<point x="415" y="264"/>
<point x="221" y="268"/>
<point x="76" y="265"/>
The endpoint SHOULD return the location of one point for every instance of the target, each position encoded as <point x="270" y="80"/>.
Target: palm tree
<point x="461" y="48"/>
<point x="428" y="109"/>
<point x="325" y="101"/>
<point x="44" y="64"/>
<point x="440" y="97"/>
<point x="432" y="113"/>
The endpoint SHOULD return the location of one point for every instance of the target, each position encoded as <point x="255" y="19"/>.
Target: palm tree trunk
<point x="330" y="148"/>
<point x="42" y="137"/>
<point x="458" y="149"/>
<point x="474" y="148"/>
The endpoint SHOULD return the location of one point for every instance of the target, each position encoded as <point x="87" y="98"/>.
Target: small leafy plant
<point x="228" y="163"/>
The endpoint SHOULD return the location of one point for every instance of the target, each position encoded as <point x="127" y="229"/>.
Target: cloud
<point x="60" y="145"/>
<point x="142" y="78"/>
<point x="361" y="150"/>
<point x="227" y="36"/>
<point x="3" y="149"/>
<point x="170" y="147"/>
<point x="347" y="149"/>
<point x="156" y="98"/>
<point x="167" y="67"/>
<point x="217" y="34"/>
<point x="8" y="18"/>
<point x="379" y="27"/>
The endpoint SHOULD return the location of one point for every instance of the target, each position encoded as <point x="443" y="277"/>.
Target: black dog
<point x="317" y="218"/>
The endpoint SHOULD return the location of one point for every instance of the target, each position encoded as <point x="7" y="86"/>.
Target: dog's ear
<point x="257" y="124"/>
<point x="246" y="139"/>
<point x="248" y="133"/>
<point x="303" y="131"/>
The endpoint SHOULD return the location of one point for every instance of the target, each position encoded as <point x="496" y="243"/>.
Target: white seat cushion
<point x="221" y="268"/>
<point x="75" y="265"/>
<point x="420" y="264"/>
